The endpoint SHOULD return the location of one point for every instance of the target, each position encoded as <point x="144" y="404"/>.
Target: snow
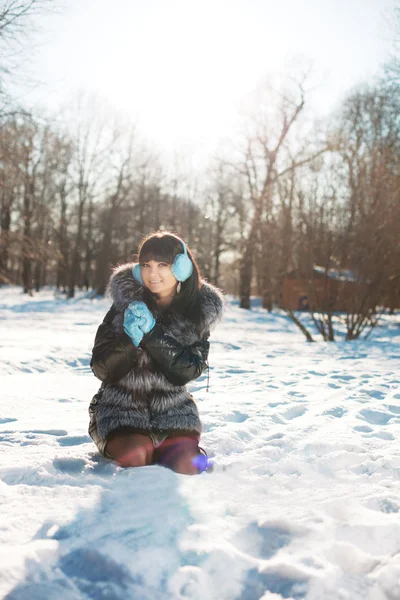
<point x="339" y="275"/>
<point x="304" y="500"/>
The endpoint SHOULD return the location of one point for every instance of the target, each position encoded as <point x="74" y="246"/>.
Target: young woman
<point x="151" y="343"/>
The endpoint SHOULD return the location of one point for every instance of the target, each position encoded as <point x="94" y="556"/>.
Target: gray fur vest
<point x="144" y="399"/>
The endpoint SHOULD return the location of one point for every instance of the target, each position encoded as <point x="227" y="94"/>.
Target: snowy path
<point x="304" y="501"/>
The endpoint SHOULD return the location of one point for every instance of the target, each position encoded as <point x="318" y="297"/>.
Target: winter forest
<point x="295" y="216"/>
<point x="81" y="187"/>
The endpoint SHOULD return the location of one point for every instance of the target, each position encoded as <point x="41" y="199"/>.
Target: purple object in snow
<point x="201" y="462"/>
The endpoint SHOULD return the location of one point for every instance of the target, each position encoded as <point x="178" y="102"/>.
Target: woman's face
<point x="158" y="278"/>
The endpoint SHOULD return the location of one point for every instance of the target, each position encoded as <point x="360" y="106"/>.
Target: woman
<point x="151" y="343"/>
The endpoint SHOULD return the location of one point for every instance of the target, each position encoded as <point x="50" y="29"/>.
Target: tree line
<point x="78" y="192"/>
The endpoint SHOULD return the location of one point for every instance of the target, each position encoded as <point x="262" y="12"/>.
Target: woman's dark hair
<point x="164" y="246"/>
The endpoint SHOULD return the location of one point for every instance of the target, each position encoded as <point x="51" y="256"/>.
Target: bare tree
<point x="370" y="148"/>
<point x="392" y="67"/>
<point x="9" y="181"/>
<point x="93" y="138"/>
<point x="222" y="210"/>
<point x="349" y="217"/>
<point x="111" y="207"/>
<point x="19" y="19"/>
<point x="267" y="159"/>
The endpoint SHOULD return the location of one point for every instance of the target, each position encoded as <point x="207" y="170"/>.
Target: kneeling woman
<point x="151" y="343"/>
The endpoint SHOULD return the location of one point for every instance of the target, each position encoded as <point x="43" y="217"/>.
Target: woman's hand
<point x="138" y="320"/>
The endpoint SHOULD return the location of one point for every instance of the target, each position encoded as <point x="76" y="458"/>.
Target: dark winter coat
<point x="144" y="388"/>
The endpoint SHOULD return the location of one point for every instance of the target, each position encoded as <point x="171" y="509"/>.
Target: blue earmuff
<point x="182" y="267"/>
<point x="137" y="274"/>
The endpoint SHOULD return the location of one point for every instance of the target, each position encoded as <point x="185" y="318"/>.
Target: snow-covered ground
<point x="304" y="501"/>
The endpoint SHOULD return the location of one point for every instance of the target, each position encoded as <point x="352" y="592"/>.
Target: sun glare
<point x="187" y="80"/>
<point x="183" y="70"/>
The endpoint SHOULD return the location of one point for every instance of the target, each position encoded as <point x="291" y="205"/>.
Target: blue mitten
<point x="143" y="314"/>
<point x="138" y="320"/>
<point x="131" y="328"/>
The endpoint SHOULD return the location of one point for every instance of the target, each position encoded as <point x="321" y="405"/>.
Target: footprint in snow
<point x="294" y="412"/>
<point x="377" y="394"/>
<point x="363" y="428"/>
<point x="90" y="565"/>
<point x="262" y="541"/>
<point x="275" y="436"/>
<point x="256" y="585"/>
<point x="343" y="377"/>
<point x="73" y="440"/>
<point x="44" y="589"/>
<point x="236" y="417"/>
<point x="384" y="505"/>
<point x="69" y="465"/>
<point x="337" y="412"/>
<point x="353" y="357"/>
<point x="98" y="576"/>
<point x="208" y="427"/>
<point x="31" y="437"/>
<point x="35" y="436"/>
<point x="374" y="417"/>
<point x="277" y="420"/>
<point x="55" y="432"/>
<point x="383" y="435"/>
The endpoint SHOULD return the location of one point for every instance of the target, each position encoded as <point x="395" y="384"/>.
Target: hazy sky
<point x="183" y="69"/>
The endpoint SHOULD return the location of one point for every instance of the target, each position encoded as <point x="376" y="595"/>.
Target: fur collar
<point x="124" y="289"/>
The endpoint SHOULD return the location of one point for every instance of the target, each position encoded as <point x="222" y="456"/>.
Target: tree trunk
<point x="246" y="271"/>
<point x="88" y="247"/>
<point x="5" y="222"/>
<point x="266" y="269"/>
<point x="156" y="208"/>
<point x="104" y="256"/>
<point x="300" y="325"/>
<point x="27" y="242"/>
<point x="75" y="264"/>
<point x="246" y="263"/>
<point x="218" y="243"/>
<point x="61" y="278"/>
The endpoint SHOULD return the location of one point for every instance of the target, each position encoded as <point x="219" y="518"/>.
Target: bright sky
<point x="183" y="69"/>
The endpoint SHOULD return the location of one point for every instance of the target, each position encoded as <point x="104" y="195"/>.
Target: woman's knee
<point x="180" y="455"/>
<point x="133" y="450"/>
<point x="133" y="457"/>
<point x="186" y="465"/>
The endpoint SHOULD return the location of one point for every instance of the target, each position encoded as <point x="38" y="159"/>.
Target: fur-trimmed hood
<point x="124" y="289"/>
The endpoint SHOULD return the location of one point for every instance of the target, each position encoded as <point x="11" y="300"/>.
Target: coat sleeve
<point x="113" y="354"/>
<point x="180" y="364"/>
